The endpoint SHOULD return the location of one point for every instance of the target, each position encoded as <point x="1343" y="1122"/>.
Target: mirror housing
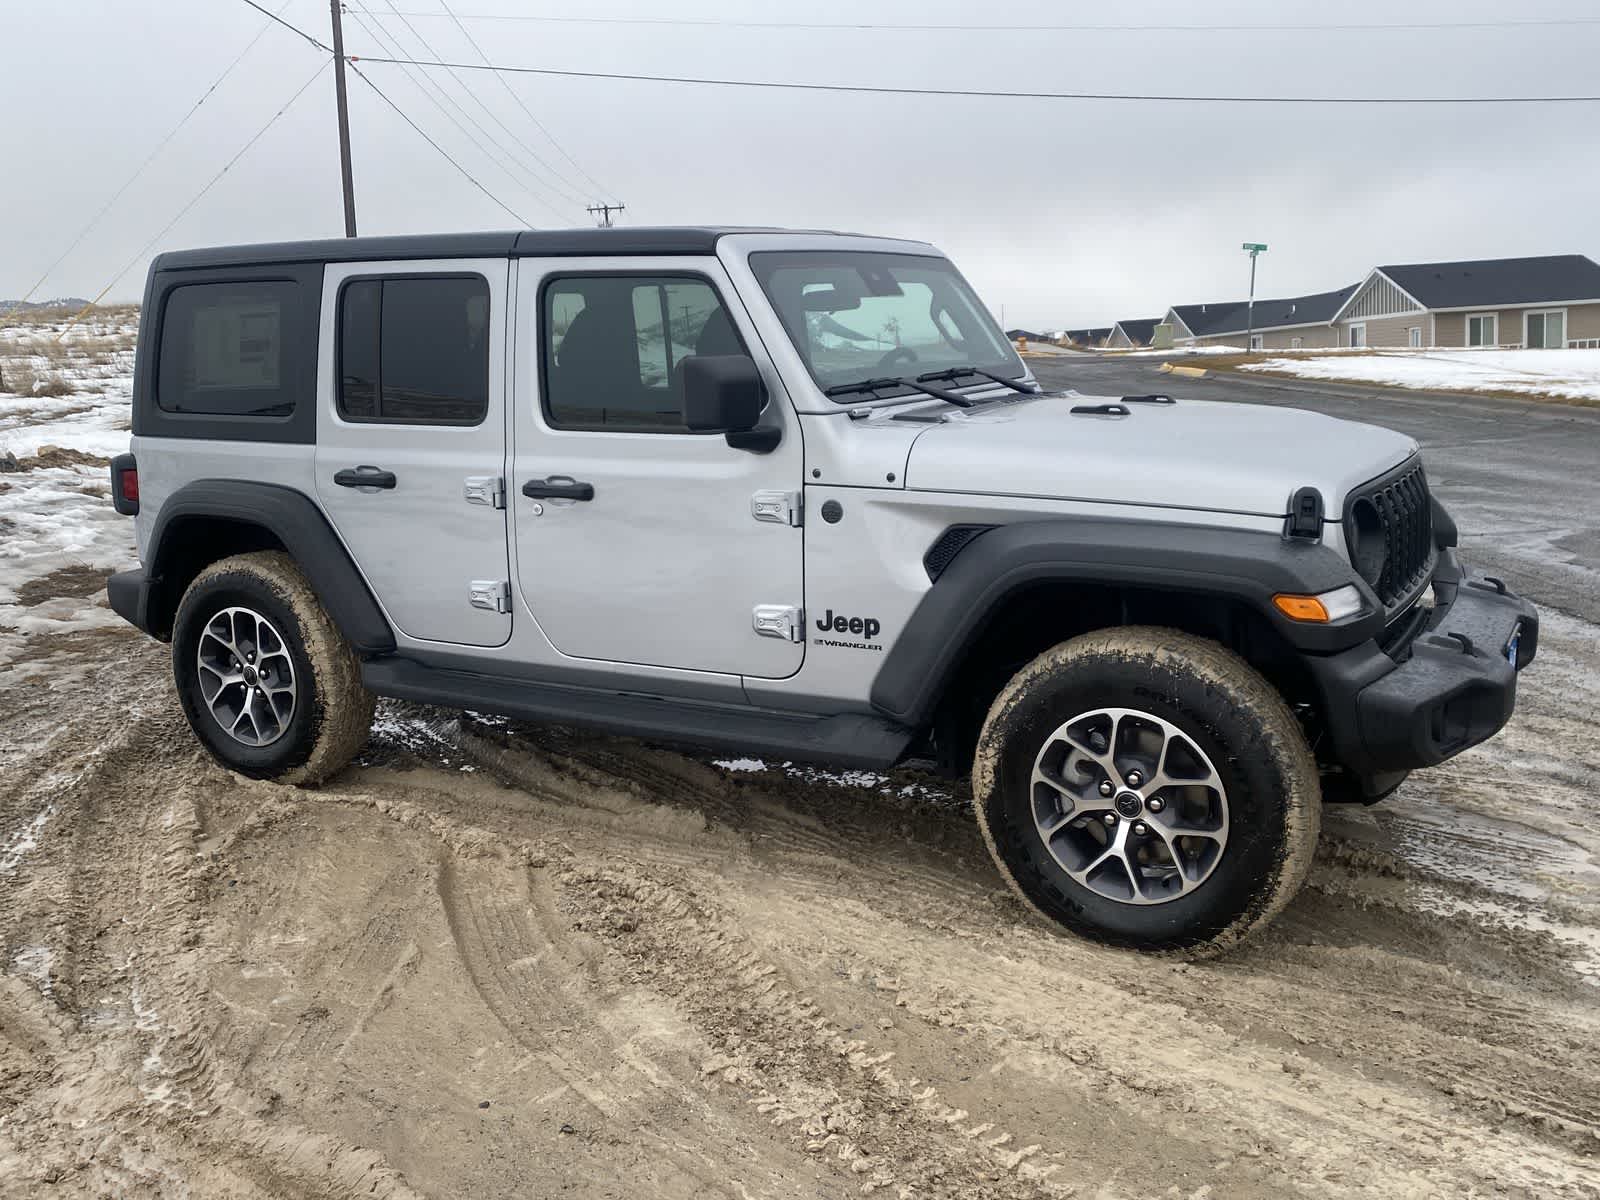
<point x="722" y="393"/>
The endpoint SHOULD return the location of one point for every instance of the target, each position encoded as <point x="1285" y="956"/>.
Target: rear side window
<point x="223" y="350"/>
<point x="614" y="348"/>
<point x="414" y="350"/>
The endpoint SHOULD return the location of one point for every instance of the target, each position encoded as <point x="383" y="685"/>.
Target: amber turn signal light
<point x="1329" y="606"/>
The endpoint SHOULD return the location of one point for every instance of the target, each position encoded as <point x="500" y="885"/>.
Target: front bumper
<point x="1429" y="696"/>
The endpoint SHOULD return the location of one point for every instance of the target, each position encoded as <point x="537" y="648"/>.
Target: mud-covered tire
<point x="329" y="716"/>
<point x="1223" y="707"/>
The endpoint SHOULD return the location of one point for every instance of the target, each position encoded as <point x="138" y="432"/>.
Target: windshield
<point x="855" y="316"/>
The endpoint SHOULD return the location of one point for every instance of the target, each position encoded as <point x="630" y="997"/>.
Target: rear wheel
<point x="269" y="685"/>
<point x="1147" y="788"/>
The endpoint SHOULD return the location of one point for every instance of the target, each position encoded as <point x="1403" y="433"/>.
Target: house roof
<point x="1492" y="281"/>
<point x="1139" y="329"/>
<point x="1098" y="334"/>
<point x="1233" y="316"/>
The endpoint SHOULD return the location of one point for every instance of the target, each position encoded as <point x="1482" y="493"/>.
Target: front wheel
<point x="269" y="685"/>
<point x="1147" y="788"/>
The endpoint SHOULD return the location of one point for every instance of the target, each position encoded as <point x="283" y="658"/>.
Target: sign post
<point x="1254" y="248"/>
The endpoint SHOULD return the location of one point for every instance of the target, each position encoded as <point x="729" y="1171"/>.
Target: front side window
<point x="1547" y="330"/>
<point x="414" y="350"/>
<point x="615" y="345"/>
<point x="222" y="349"/>
<point x="1358" y="335"/>
<point x="855" y="316"/>
<point x="1414" y="337"/>
<point x="1257" y="341"/>
<point x="1481" y="330"/>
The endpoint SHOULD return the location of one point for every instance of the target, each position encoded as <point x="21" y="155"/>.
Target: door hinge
<point x="493" y="595"/>
<point x="488" y="490"/>
<point x="781" y="508"/>
<point x="780" y="621"/>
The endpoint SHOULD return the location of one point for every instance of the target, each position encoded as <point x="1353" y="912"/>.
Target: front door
<point x="411" y="440"/>
<point x="638" y="542"/>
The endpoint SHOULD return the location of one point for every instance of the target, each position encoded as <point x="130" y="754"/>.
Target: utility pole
<point x="344" y="123"/>
<point x="603" y="211"/>
<point x="1255" y="248"/>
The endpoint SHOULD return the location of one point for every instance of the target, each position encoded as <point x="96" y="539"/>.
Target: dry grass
<point x="21" y="378"/>
<point x="37" y="360"/>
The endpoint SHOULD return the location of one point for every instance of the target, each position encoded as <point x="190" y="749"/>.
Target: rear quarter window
<point x="226" y="351"/>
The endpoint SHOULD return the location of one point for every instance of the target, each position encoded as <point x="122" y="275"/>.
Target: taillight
<point x="125" y="485"/>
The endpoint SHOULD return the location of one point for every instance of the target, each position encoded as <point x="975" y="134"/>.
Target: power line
<point x="471" y="92"/>
<point x="422" y="134"/>
<point x="1017" y="27"/>
<point x="510" y="91"/>
<point x="498" y="159"/>
<point x="140" y="169"/>
<point x="294" y="29"/>
<point x="198" y="196"/>
<point x="884" y="90"/>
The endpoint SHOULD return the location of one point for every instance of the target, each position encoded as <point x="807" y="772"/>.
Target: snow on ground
<point x="1572" y="374"/>
<point x="91" y="366"/>
<point x="56" y="517"/>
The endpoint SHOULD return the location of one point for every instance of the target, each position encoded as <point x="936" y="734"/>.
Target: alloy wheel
<point x="1129" y="806"/>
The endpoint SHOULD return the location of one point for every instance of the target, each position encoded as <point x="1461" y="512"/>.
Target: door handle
<point x="364" y="477"/>
<point x="557" y="488"/>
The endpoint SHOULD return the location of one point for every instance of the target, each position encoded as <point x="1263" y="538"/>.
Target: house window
<point x="1483" y="329"/>
<point x="1358" y="334"/>
<point x="1295" y="343"/>
<point x="1257" y="341"/>
<point x="1414" y="337"/>
<point x="1546" y="330"/>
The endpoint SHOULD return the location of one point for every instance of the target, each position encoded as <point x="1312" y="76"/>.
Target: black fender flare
<point x="295" y="521"/>
<point x="1244" y="565"/>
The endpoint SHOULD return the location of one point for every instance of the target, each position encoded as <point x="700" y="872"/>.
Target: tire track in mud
<point x="127" y="1094"/>
<point x="738" y="985"/>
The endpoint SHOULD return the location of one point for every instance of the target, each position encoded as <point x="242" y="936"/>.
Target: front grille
<point x="1389" y="526"/>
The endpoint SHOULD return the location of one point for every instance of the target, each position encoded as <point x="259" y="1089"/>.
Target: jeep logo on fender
<point x="860" y="626"/>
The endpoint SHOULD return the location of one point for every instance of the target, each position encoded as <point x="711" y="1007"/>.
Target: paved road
<point x="1521" y="478"/>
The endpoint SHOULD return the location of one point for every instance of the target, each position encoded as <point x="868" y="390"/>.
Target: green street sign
<point x="1255" y="247"/>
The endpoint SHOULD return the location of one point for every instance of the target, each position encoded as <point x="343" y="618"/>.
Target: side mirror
<point x="722" y="393"/>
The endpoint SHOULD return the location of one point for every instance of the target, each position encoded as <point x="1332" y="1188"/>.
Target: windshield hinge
<point x="780" y="508"/>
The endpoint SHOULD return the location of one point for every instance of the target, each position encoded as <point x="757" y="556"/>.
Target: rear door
<point x="411" y="440"/>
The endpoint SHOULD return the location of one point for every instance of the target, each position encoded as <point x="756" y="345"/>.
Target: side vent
<point x="1305" y="515"/>
<point x="949" y="544"/>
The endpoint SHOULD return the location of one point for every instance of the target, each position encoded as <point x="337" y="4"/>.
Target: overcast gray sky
<point x="1063" y="212"/>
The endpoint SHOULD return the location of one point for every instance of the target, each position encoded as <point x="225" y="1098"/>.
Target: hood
<point x="1198" y="454"/>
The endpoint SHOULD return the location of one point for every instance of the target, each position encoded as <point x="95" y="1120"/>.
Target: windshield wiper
<point x="916" y="385"/>
<point x="954" y="373"/>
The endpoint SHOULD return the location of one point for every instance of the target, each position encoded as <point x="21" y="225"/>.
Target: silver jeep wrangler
<point x="793" y="494"/>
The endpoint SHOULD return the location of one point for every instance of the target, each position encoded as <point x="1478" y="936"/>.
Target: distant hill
<point x="33" y="305"/>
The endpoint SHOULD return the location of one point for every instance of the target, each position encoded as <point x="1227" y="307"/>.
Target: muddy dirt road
<point x="492" y="961"/>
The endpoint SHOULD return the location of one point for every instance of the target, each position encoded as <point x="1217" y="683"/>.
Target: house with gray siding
<point x="1290" y="323"/>
<point x="1551" y="302"/>
<point x="1132" y="334"/>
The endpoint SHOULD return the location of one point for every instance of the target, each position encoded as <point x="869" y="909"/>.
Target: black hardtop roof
<point x="527" y="243"/>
